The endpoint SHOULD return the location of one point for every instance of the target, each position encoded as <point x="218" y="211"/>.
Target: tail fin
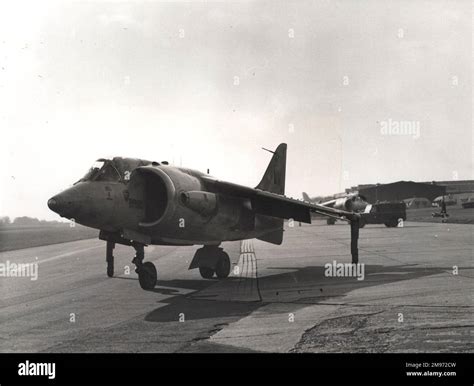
<point x="274" y="178"/>
<point x="306" y="197"/>
<point x="273" y="181"/>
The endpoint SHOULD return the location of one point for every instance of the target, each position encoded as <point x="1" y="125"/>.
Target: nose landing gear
<point x="147" y="274"/>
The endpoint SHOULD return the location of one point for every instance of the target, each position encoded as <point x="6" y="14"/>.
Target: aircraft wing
<point x="329" y="203"/>
<point x="276" y="205"/>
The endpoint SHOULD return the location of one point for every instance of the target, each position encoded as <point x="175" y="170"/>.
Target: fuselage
<point x="156" y="203"/>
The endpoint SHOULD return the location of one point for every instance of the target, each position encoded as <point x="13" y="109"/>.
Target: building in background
<point x="455" y="191"/>
<point x="455" y="186"/>
<point x="399" y="191"/>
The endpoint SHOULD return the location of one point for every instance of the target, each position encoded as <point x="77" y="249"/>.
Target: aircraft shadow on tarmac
<point x="301" y="286"/>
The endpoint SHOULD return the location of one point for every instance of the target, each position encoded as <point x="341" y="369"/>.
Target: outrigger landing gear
<point x="212" y="260"/>
<point x="355" y="225"/>
<point x="110" y="258"/>
<point x="146" y="271"/>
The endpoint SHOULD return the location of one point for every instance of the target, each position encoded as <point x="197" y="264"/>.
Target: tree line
<point x="25" y="220"/>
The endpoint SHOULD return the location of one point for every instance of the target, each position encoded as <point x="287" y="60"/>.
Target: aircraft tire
<point x="147" y="276"/>
<point x="206" y="272"/>
<point x="223" y="266"/>
<point x="392" y="223"/>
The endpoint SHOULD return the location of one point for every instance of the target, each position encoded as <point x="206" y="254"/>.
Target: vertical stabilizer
<point x="274" y="178"/>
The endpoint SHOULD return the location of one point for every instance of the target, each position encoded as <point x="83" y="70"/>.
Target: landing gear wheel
<point x="206" y="272"/>
<point x="392" y="223"/>
<point x="223" y="266"/>
<point x="147" y="276"/>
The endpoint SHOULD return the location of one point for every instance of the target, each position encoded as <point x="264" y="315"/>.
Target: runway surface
<point x="277" y="298"/>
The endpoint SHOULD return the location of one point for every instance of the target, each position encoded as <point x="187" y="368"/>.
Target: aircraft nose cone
<point x="56" y="204"/>
<point x="59" y="204"/>
<point x="67" y="203"/>
<point x="52" y="204"/>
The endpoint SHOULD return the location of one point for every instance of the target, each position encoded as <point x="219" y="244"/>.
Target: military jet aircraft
<point x="138" y="203"/>
<point x="353" y="202"/>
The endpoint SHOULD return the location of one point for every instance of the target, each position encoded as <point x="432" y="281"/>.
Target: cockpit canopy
<point x="116" y="170"/>
<point x="102" y="170"/>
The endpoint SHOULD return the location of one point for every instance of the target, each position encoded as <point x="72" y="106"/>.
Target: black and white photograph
<point x="190" y="178"/>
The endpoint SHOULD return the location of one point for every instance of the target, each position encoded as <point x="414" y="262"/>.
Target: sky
<point x="361" y="91"/>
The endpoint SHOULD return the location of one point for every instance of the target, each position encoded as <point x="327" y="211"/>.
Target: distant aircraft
<point x="138" y="203"/>
<point x="352" y="202"/>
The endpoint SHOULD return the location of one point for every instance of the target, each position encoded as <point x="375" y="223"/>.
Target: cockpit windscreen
<point x="102" y="170"/>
